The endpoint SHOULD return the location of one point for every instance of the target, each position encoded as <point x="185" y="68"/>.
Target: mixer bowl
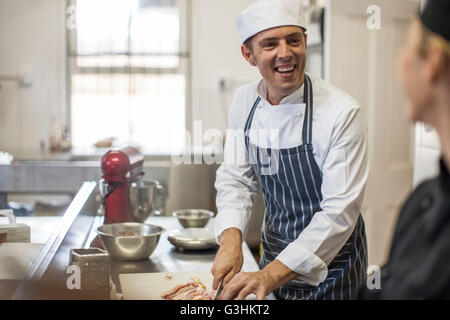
<point x="130" y="241"/>
<point x="146" y="198"/>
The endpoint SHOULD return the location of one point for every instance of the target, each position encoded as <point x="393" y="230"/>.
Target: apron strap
<point x="248" y="123"/>
<point x="307" y="121"/>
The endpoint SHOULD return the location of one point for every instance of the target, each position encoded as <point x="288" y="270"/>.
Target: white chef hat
<point x="266" y="14"/>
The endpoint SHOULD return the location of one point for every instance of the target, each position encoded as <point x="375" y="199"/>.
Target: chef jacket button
<point x="300" y="114"/>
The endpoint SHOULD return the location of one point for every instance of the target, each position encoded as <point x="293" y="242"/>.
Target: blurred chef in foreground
<point x="312" y="173"/>
<point x="419" y="261"/>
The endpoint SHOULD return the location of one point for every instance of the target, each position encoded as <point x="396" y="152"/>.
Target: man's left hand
<point x="261" y="282"/>
<point x="245" y="283"/>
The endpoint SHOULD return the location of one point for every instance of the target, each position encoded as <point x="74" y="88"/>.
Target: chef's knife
<point x="219" y="289"/>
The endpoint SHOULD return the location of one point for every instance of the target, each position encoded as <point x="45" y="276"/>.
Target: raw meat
<point x="193" y="290"/>
<point x="126" y="233"/>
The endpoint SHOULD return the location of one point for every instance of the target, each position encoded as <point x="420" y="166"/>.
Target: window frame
<point x="184" y="67"/>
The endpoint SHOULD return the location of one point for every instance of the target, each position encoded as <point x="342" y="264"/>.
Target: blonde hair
<point x="427" y="35"/>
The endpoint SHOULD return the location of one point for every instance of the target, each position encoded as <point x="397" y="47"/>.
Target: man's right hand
<point x="229" y="258"/>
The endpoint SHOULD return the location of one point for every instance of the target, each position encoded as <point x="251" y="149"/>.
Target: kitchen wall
<point x="427" y="151"/>
<point x="31" y="43"/>
<point x="216" y="55"/>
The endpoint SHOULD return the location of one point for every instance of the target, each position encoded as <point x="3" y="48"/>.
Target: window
<point x="127" y="73"/>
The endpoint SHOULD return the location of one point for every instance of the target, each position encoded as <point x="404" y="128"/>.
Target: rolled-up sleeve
<point x="345" y="171"/>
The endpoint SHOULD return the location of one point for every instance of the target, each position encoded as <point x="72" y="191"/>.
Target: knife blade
<point x="219" y="289"/>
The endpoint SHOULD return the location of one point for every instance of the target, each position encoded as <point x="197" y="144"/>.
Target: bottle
<point x="55" y="136"/>
<point x="66" y="143"/>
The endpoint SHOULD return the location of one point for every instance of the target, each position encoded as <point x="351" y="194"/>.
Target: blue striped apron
<point x="291" y="183"/>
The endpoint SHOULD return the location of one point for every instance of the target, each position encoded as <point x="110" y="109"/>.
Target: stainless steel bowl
<point x="193" y="218"/>
<point x="130" y="241"/>
<point x="146" y="198"/>
<point x="193" y="239"/>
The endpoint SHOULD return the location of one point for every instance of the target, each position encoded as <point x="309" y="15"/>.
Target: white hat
<point x="266" y="14"/>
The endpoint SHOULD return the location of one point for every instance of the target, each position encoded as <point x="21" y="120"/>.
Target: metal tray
<point x="193" y="239"/>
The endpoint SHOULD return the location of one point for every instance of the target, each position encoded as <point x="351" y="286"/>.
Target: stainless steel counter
<point x="40" y="227"/>
<point x="166" y="258"/>
<point x="51" y="178"/>
<point x="47" y="275"/>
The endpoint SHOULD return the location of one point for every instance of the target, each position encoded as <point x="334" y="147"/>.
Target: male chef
<point x="312" y="172"/>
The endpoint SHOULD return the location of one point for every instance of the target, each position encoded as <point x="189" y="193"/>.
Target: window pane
<point x="120" y="26"/>
<point x="102" y="25"/>
<point x="123" y="61"/>
<point x="128" y="79"/>
<point x="155" y="30"/>
<point x="147" y="110"/>
<point x="158" y="112"/>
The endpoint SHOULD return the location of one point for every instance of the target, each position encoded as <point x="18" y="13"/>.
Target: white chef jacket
<point x="339" y="138"/>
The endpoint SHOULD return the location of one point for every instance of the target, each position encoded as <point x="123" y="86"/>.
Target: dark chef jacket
<point x="419" y="261"/>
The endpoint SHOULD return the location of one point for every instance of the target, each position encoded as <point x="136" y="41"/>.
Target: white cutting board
<point x="15" y="258"/>
<point x="149" y="286"/>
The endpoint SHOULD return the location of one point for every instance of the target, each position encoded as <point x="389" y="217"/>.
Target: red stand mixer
<point x="126" y="196"/>
<point x="120" y="168"/>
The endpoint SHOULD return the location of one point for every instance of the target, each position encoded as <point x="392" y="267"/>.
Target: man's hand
<point x="261" y="282"/>
<point x="242" y="284"/>
<point x="229" y="258"/>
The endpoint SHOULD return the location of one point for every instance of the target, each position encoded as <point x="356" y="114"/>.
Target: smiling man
<point x="282" y="69"/>
<point x="313" y="239"/>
